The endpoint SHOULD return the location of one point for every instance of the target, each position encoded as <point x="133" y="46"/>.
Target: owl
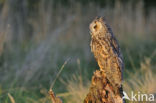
<point x="107" y="52"/>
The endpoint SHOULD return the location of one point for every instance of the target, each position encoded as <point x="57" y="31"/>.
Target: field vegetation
<point x="36" y="40"/>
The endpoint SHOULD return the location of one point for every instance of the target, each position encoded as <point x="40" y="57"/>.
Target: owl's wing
<point x="115" y="45"/>
<point x="114" y="61"/>
<point x="119" y="59"/>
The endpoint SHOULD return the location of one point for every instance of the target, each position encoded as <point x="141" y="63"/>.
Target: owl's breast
<point x="99" y="49"/>
<point x="101" y="45"/>
<point x="96" y="48"/>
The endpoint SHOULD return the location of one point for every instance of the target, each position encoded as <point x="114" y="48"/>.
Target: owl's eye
<point x="95" y="27"/>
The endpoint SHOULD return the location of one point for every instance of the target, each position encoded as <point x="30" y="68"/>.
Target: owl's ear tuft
<point x="102" y="19"/>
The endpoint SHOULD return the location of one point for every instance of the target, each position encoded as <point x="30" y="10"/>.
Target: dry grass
<point x="34" y="47"/>
<point x="142" y="80"/>
<point x="11" y="98"/>
<point x="76" y="90"/>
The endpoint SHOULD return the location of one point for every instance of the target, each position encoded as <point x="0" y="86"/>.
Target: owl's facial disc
<point x="95" y="27"/>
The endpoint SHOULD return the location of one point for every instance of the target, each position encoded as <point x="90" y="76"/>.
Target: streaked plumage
<point x="107" y="52"/>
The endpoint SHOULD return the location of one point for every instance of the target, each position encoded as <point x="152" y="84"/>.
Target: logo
<point x="138" y="96"/>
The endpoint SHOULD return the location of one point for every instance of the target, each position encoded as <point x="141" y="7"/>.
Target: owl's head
<point x="98" y="26"/>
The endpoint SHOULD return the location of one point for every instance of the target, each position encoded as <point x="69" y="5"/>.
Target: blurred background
<point x="38" y="36"/>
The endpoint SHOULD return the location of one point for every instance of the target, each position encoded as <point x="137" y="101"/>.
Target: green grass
<point x="30" y="59"/>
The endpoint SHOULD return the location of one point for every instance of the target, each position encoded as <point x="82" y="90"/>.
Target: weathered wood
<point x="101" y="90"/>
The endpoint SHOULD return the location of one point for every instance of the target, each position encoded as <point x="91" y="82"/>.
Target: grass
<point x="142" y="80"/>
<point x="32" y="52"/>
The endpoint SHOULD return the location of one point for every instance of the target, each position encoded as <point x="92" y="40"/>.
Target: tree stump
<point x="101" y="90"/>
